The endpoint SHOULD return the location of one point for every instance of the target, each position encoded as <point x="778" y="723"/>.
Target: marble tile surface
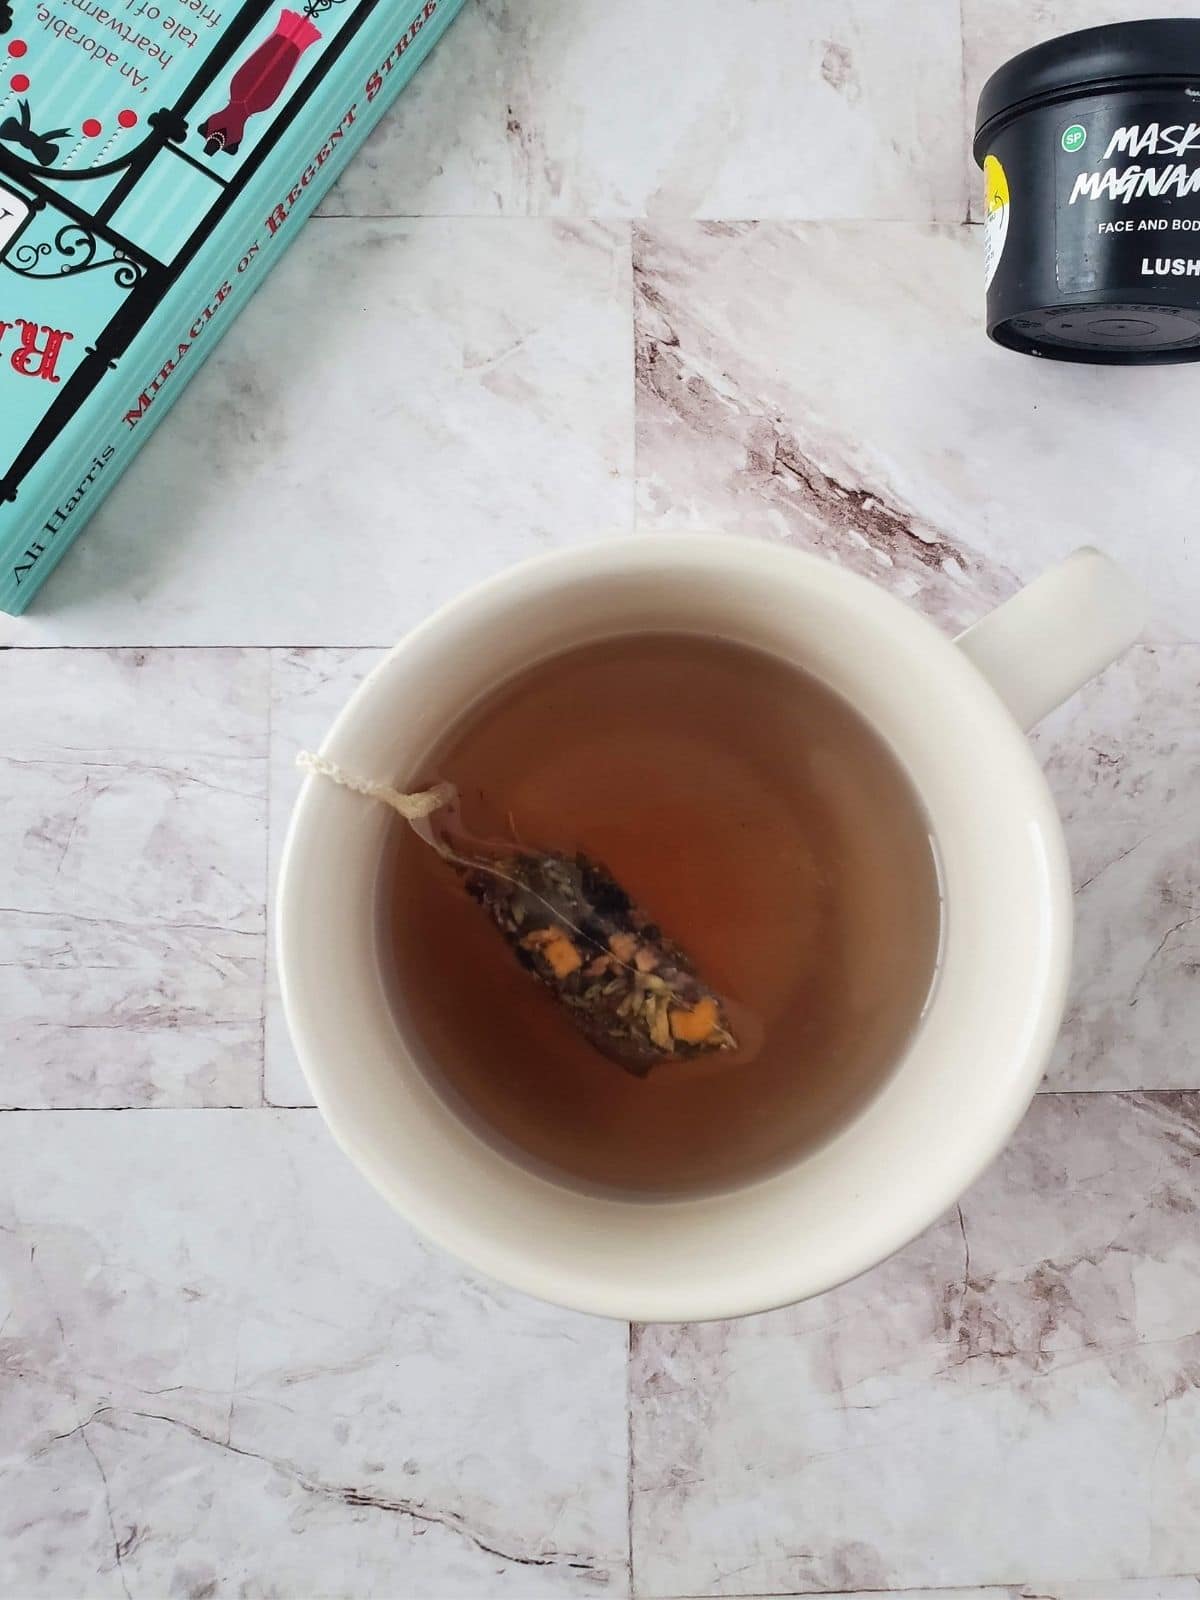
<point x="829" y="385"/>
<point x="723" y="108"/>
<point x="1123" y="760"/>
<point x="308" y="689"/>
<point x="270" y="1388"/>
<point x="606" y="268"/>
<point x="1015" y="1395"/>
<point x="133" y="859"/>
<point x="353" y="458"/>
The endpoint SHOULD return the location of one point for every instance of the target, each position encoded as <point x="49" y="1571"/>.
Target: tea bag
<point x="627" y="987"/>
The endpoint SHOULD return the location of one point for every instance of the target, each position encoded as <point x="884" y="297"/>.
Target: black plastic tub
<point x="1090" y="149"/>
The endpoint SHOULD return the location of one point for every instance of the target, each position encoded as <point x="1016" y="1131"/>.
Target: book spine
<point x="63" y="492"/>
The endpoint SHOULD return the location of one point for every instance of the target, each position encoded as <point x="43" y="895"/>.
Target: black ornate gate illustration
<point x="87" y="241"/>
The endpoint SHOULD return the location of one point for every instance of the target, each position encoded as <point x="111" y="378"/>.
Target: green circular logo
<point x="1074" y="138"/>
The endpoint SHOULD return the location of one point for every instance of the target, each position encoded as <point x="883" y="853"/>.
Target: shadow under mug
<point x="953" y="712"/>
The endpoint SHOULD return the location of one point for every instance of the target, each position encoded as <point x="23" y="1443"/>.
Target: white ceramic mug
<point x="954" y="713"/>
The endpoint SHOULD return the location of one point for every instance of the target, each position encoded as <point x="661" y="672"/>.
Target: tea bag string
<point x="413" y="807"/>
<point x="416" y="808"/>
<point x="638" y="1009"/>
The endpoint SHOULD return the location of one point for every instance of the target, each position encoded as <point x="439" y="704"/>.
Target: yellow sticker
<point x="995" y="217"/>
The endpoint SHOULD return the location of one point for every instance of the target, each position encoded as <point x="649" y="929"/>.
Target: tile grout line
<point x="964" y="176"/>
<point x="650" y="219"/>
<point x="109" y="649"/>
<point x="1123" y="1093"/>
<point x="629" y="1343"/>
<point x="1027" y="1589"/>
<point x="156" y="1110"/>
<point x="964" y="121"/>
<point x="267" y="897"/>
<point x="633" y="379"/>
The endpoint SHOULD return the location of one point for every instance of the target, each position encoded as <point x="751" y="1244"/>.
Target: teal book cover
<point x="156" y="156"/>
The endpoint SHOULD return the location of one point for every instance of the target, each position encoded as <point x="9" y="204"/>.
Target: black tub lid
<point x="1168" y="47"/>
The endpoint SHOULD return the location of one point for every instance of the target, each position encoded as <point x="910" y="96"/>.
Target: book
<point x="156" y="158"/>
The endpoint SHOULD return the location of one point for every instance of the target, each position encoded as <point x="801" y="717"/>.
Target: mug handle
<point x="1060" y="630"/>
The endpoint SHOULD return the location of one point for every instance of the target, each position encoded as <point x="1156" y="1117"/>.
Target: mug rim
<point x="558" y="570"/>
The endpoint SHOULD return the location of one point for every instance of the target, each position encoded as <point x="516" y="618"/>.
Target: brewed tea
<point x="776" y="839"/>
